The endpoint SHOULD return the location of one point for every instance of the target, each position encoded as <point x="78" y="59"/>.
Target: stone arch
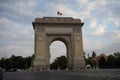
<point x="59" y="39"/>
<point x="66" y="40"/>
<point x="65" y="29"/>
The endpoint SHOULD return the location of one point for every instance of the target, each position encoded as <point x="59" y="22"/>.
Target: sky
<point x="101" y="30"/>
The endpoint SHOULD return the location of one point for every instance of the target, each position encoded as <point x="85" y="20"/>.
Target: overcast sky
<point x="101" y="31"/>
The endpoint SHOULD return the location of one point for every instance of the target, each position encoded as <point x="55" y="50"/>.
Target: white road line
<point x="114" y="76"/>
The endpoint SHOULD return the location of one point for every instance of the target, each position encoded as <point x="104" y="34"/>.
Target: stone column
<point x="40" y="58"/>
<point x="78" y="62"/>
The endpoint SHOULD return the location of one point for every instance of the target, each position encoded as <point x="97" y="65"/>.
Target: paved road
<point x="106" y="74"/>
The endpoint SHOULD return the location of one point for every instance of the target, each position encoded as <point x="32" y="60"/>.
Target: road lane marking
<point x="114" y="76"/>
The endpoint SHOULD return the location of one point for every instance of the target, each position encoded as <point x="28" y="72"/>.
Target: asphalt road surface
<point x="100" y="74"/>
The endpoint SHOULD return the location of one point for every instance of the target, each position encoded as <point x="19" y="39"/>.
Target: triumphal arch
<point x="65" y="29"/>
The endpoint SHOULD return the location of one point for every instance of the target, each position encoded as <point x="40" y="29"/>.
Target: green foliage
<point x="117" y="59"/>
<point x="117" y="55"/>
<point x="117" y="62"/>
<point x="93" y="54"/>
<point x="59" y="63"/>
<point x="111" y="61"/>
<point x="89" y="62"/>
<point x="2" y="63"/>
<point x="114" y="60"/>
<point x="17" y="62"/>
<point x="102" y="63"/>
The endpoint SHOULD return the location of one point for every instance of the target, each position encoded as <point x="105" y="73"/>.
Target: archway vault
<point x="65" y="29"/>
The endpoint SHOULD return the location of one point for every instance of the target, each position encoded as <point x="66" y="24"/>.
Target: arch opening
<point x="57" y="49"/>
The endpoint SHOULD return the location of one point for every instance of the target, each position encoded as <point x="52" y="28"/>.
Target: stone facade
<point x="65" y="29"/>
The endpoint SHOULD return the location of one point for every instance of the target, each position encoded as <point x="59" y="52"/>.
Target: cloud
<point x="11" y="29"/>
<point x="15" y="39"/>
<point x="21" y="7"/>
<point x="113" y="19"/>
<point x="67" y="10"/>
<point x="93" y="23"/>
<point x="92" y="44"/>
<point x="116" y="35"/>
<point x="99" y="31"/>
<point x="21" y="11"/>
<point x="109" y="49"/>
<point x="113" y="7"/>
<point x="101" y="18"/>
<point x="17" y="49"/>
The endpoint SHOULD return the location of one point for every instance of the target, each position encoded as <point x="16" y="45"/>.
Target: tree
<point x="102" y="63"/>
<point x="2" y="63"/>
<point x="93" y="62"/>
<point x="27" y="62"/>
<point x="88" y="61"/>
<point x="111" y="61"/>
<point x="17" y="62"/>
<point x="117" y="62"/>
<point x="93" y="54"/>
<point x="117" y="54"/>
<point x="54" y="65"/>
<point x="84" y="55"/>
<point x="117" y="59"/>
<point x="59" y="63"/>
<point x="88" y="55"/>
